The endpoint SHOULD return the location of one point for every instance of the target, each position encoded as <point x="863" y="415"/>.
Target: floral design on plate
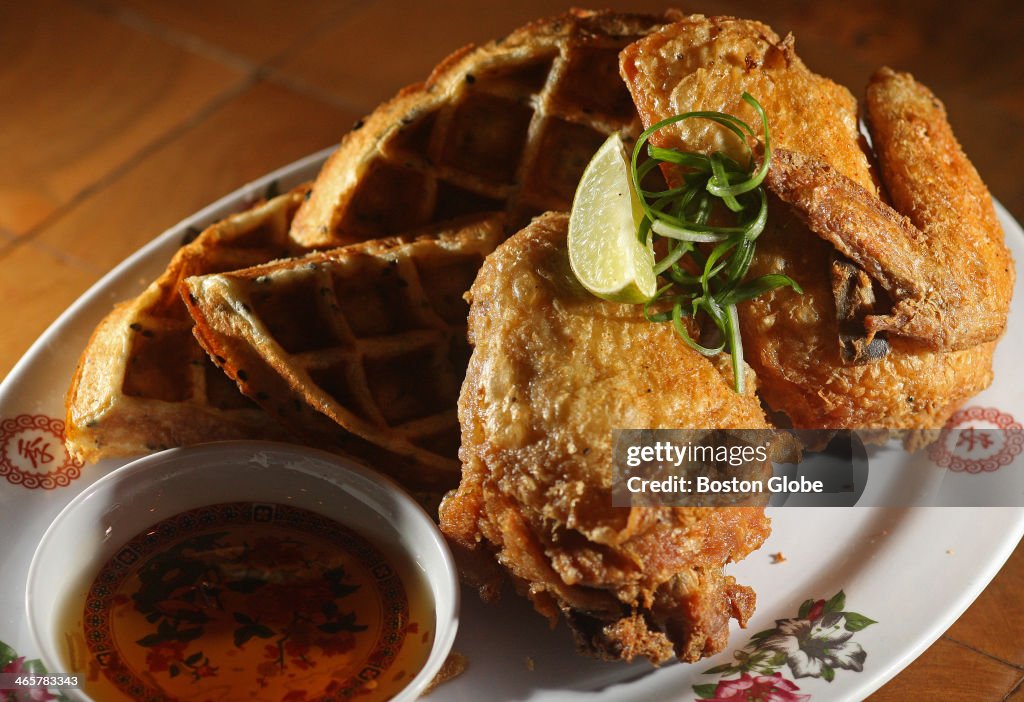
<point x="13" y="664"/>
<point x="813" y="644"/>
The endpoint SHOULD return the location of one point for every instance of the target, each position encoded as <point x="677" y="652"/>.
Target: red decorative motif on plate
<point x="32" y="453"/>
<point x="978" y="440"/>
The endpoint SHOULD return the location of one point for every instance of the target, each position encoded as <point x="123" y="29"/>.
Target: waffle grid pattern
<point x="509" y="126"/>
<point x="371" y="337"/>
<point x="164" y="391"/>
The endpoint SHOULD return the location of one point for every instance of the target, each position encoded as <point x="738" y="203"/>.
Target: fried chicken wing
<point x="554" y="370"/>
<point x="863" y="262"/>
<point x="791" y="341"/>
<point x="931" y="181"/>
<point x="945" y="267"/>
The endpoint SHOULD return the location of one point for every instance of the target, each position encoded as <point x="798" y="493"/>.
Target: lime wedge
<point x="604" y="252"/>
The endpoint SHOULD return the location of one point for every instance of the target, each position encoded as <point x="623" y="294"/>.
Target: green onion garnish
<point x="680" y="215"/>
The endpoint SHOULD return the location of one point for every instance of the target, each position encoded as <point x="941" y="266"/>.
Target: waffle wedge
<point x="143" y="383"/>
<point x="360" y="349"/>
<point x="507" y="126"/>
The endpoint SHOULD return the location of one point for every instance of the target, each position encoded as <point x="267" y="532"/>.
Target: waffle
<point x="505" y="127"/>
<point x="509" y="126"/>
<point x="143" y="383"/>
<point x="360" y="349"/>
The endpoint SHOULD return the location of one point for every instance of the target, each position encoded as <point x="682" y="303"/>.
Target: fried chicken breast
<point x="857" y="259"/>
<point x="554" y="371"/>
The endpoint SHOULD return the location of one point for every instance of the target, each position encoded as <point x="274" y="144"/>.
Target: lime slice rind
<point x="604" y="252"/>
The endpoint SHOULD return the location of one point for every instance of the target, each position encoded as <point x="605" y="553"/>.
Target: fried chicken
<point x="706" y="63"/>
<point x="932" y="182"/>
<point x="554" y="370"/>
<point x="929" y="292"/>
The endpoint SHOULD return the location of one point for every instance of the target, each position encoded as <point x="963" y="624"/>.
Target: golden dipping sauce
<point x="247" y="601"/>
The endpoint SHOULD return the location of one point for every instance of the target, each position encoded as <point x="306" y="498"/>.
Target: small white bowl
<point x="99" y="521"/>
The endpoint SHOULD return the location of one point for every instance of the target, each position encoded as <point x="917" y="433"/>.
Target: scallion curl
<point x="710" y="285"/>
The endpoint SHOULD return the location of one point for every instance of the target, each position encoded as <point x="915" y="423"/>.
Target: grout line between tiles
<point x="1013" y="690"/>
<point x="301" y="87"/>
<point x="67" y="259"/>
<point x="276" y="75"/>
<point x="12" y="247"/>
<point x="8" y="247"/>
<point x="183" y="40"/>
<point x="254" y="73"/>
<point x="301" y="41"/>
<point x="983" y="652"/>
<point x="210" y="49"/>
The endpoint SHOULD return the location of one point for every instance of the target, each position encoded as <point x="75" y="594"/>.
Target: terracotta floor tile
<point x="255" y="30"/>
<point x="384" y="46"/>
<point x="83" y="111"/>
<point x="994" y="622"/>
<point x="995" y="159"/>
<point x="35" y="288"/>
<point x="909" y="36"/>
<point x="929" y="678"/>
<point x="264" y="128"/>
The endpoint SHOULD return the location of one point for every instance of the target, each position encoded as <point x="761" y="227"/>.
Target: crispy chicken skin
<point x="945" y="266"/>
<point x="791" y="340"/>
<point x="930" y="180"/>
<point x="554" y="370"/>
<point x="706" y="63"/>
<point x="821" y="180"/>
